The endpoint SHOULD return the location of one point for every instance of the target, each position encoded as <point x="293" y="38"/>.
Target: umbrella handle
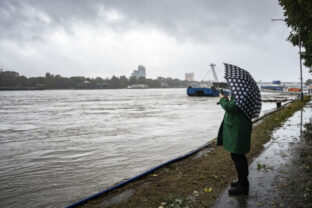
<point x="222" y="93"/>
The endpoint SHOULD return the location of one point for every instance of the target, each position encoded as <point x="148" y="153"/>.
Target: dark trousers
<point x="241" y="166"/>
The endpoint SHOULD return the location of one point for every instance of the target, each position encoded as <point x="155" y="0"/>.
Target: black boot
<point x="234" y="184"/>
<point x="241" y="165"/>
<point x="240" y="189"/>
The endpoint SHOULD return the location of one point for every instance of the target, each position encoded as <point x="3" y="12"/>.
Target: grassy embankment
<point x="197" y="181"/>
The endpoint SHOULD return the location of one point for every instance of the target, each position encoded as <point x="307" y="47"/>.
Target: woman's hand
<point x="221" y="96"/>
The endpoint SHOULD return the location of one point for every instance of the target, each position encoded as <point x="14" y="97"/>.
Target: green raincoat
<point x="235" y="130"/>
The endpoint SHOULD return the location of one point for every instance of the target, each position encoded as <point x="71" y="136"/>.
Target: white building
<point x="189" y="76"/>
<point x="141" y="72"/>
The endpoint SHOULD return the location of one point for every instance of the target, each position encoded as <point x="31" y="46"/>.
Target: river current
<point x="60" y="146"/>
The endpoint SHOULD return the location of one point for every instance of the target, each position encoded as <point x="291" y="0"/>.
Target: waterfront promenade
<point x="202" y="180"/>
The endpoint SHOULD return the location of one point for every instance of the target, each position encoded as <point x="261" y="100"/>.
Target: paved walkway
<point x="270" y="174"/>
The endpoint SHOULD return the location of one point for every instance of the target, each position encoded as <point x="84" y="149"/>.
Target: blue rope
<point x="138" y="176"/>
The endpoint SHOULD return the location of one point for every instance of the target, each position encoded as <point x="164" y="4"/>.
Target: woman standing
<point x="234" y="136"/>
<point x="235" y="130"/>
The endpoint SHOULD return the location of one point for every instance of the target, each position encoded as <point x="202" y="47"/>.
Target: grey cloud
<point x="32" y="19"/>
<point x="201" y="20"/>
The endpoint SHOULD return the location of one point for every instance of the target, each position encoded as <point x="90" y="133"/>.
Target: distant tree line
<point x="12" y="80"/>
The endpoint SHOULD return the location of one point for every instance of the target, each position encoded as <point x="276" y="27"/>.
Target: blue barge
<point x="198" y="91"/>
<point x="212" y="91"/>
<point x="276" y="86"/>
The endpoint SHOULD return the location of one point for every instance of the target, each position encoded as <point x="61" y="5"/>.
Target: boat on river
<point x="274" y="87"/>
<point x="138" y="86"/>
<point x="213" y="90"/>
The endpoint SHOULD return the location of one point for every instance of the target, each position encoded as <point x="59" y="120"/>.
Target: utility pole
<point x="301" y="94"/>
<point x="300" y="59"/>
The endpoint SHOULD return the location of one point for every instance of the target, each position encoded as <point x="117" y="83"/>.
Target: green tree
<point x="133" y="80"/>
<point x="9" y="79"/>
<point x="22" y="81"/>
<point x="308" y="82"/>
<point x="115" y="82"/>
<point x="99" y="80"/>
<point x="142" y="80"/>
<point x="49" y="76"/>
<point x="298" y="16"/>
<point x="153" y="83"/>
<point x="76" y="82"/>
<point x="123" y="82"/>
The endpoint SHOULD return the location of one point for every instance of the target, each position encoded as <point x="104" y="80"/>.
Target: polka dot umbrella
<point x="244" y="90"/>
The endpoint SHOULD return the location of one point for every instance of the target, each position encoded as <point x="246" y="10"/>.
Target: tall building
<point x="189" y="76"/>
<point x="141" y="72"/>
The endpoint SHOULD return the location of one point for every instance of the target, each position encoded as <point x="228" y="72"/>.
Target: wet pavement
<point x="271" y="173"/>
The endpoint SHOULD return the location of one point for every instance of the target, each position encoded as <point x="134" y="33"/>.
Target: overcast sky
<point x="169" y="37"/>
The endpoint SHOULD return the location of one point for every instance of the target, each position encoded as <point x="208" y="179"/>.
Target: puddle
<point x="203" y="153"/>
<point x="117" y="199"/>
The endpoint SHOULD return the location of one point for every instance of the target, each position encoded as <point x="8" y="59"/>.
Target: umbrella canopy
<point x="244" y="90"/>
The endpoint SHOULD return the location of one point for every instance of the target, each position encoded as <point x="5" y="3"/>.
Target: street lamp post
<point x="300" y="59"/>
<point x="301" y="94"/>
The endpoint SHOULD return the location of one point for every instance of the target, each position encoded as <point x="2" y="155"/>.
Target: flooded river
<point x="60" y="146"/>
